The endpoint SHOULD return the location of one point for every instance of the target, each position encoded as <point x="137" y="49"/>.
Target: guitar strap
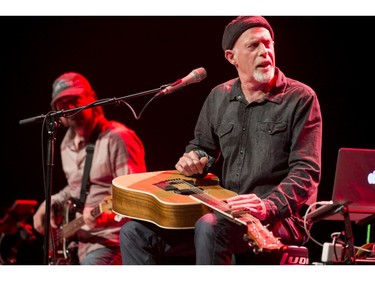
<point x="86" y="172"/>
<point x="85" y="186"/>
<point x="70" y="246"/>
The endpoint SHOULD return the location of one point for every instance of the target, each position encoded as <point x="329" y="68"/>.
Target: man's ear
<point x="230" y="56"/>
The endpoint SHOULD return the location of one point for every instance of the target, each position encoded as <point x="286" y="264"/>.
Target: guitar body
<point x="63" y="246"/>
<point x="163" y="197"/>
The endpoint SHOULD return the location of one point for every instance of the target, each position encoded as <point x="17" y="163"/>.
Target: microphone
<point x="195" y="76"/>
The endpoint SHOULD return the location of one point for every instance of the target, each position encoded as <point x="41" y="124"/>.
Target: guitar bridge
<point x="183" y="191"/>
<point x="171" y="185"/>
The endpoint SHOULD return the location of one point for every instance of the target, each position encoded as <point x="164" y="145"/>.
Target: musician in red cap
<point x="117" y="150"/>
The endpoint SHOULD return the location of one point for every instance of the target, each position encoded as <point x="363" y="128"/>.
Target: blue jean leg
<point x="144" y="243"/>
<point x="103" y="256"/>
<point x="216" y="239"/>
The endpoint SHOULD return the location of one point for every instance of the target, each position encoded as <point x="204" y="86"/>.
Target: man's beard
<point x="264" y="77"/>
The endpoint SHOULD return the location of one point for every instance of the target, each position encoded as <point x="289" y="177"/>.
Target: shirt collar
<point x="275" y="95"/>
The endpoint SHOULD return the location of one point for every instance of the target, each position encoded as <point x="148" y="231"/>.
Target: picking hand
<point x="39" y="217"/>
<point x="190" y="164"/>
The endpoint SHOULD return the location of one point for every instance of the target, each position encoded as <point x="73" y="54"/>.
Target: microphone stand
<point x="52" y="124"/>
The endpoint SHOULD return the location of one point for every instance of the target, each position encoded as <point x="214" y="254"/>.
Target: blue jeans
<point x="144" y="243"/>
<point x="103" y="256"/>
<point x="215" y="240"/>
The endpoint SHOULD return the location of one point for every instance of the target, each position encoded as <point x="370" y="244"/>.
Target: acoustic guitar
<point x="161" y="198"/>
<point x="173" y="201"/>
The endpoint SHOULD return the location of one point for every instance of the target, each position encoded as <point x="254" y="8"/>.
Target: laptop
<point x="354" y="187"/>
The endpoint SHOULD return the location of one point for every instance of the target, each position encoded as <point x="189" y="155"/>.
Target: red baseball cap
<point x="71" y="84"/>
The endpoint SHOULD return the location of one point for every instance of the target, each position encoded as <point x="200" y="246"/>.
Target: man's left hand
<point x="249" y="202"/>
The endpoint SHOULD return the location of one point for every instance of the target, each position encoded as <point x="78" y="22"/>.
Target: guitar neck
<point x="207" y="199"/>
<point x="72" y="227"/>
<point x="217" y="205"/>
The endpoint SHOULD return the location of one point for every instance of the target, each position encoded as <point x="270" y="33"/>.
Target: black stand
<point x="343" y="210"/>
<point x="52" y="125"/>
<point x="349" y="253"/>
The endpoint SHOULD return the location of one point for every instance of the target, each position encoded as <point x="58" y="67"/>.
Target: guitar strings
<point x="70" y="228"/>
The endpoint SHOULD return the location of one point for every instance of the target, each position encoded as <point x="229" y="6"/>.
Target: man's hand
<point x="190" y="164"/>
<point x="249" y="202"/>
<point x="89" y="220"/>
<point x="98" y="222"/>
<point x="39" y="217"/>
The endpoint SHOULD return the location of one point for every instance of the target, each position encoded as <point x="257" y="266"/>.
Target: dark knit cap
<point x="239" y="25"/>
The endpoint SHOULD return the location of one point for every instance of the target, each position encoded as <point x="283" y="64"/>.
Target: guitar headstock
<point x="263" y="239"/>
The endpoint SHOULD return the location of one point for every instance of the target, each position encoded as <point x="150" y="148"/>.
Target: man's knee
<point x="126" y="229"/>
<point x="206" y="223"/>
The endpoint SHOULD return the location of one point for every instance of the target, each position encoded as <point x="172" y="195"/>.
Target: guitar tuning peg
<point x="246" y="237"/>
<point x="252" y="244"/>
<point x="254" y="247"/>
<point x="256" y="250"/>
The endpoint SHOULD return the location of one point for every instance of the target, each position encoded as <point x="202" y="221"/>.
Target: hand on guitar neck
<point x="91" y="222"/>
<point x="250" y="203"/>
<point x="260" y="238"/>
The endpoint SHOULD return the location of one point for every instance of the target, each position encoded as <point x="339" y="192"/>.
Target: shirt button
<point x="241" y="152"/>
<point x="243" y="128"/>
<point x="237" y="174"/>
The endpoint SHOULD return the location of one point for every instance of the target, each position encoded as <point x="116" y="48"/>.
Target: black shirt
<point x="271" y="148"/>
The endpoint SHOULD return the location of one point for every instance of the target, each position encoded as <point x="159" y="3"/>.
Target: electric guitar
<point x="173" y="201"/>
<point x="59" y="250"/>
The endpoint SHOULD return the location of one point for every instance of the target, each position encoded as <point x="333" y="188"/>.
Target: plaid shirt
<point x="118" y="151"/>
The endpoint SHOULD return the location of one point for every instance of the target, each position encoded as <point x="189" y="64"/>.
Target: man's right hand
<point x="39" y="217"/>
<point x="190" y="164"/>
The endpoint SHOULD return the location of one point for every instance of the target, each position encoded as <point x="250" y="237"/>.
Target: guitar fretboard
<point x="213" y="202"/>
<point x="72" y="227"/>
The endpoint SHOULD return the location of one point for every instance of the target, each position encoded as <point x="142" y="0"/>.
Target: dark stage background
<point x="124" y="55"/>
